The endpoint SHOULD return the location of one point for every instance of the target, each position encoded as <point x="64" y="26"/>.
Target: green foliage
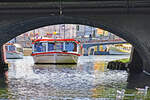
<point x="126" y="60"/>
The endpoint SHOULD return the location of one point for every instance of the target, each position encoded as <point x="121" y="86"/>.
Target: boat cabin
<point x="55" y="45"/>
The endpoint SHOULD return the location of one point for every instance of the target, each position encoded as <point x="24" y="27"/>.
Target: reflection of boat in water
<point x="13" y="51"/>
<point x="37" y="68"/>
<point x="56" y="50"/>
<point x="120" y="49"/>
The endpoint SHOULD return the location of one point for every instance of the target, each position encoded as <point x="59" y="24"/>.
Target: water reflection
<point x="45" y="68"/>
<point x="88" y="80"/>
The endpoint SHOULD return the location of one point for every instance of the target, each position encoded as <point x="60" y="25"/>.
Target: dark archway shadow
<point x="138" y="80"/>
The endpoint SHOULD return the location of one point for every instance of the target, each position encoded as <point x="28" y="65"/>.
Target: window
<point x="51" y="46"/>
<point x="59" y="46"/>
<point x="70" y="46"/>
<point x="11" y="48"/>
<point x="40" y="47"/>
<point x="77" y="27"/>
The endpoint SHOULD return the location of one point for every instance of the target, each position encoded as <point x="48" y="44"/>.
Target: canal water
<point x="88" y="80"/>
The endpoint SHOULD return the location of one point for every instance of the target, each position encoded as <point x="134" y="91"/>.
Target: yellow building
<point x="102" y="32"/>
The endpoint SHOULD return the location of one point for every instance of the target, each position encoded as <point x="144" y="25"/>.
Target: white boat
<point x="56" y="51"/>
<point x="13" y="51"/>
<point x="120" y="49"/>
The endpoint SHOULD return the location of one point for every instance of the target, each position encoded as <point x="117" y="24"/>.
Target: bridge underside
<point x="131" y="24"/>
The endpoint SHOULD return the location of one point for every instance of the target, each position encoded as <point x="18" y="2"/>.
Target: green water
<point x="3" y="89"/>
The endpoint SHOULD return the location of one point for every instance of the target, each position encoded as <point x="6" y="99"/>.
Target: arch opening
<point x="18" y="28"/>
<point x="25" y="26"/>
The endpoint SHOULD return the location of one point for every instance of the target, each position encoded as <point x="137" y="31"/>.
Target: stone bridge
<point x="128" y="19"/>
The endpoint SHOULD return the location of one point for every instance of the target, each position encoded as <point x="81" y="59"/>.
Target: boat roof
<point x="9" y="44"/>
<point x="17" y="45"/>
<point x="14" y="44"/>
<point x="37" y="40"/>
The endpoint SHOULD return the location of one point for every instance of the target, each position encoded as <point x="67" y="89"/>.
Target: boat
<point x="120" y="49"/>
<point x="13" y="51"/>
<point x="100" y="50"/>
<point x="55" y="51"/>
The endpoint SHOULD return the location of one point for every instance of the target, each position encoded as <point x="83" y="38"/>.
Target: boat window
<point x="70" y="46"/>
<point x="40" y="47"/>
<point x="51" y="46"/>
<point x="59" y="46"/>
<point x="44" y="47"/>
<point x="37" y="47"/>
<point x="11" y="48"/>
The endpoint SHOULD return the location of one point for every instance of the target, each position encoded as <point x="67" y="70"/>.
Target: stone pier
<point x="3" y="64"/>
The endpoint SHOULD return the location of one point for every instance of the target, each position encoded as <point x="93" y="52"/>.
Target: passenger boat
<point x="98" y="50"/>
<point x="120" y="49"/>
<point x="55" y="51"/>
<point x="13" y="51"/>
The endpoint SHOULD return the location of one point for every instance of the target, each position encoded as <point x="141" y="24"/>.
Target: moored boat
<point x="56" y="51"/>
<point x="120" y="49"/>
<point x="13" y="51"/>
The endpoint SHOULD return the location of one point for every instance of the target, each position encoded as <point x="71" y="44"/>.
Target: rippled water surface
<point x="87" y="80"/>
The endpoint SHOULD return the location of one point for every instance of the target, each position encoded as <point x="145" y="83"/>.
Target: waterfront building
<point x="64" y="31"/>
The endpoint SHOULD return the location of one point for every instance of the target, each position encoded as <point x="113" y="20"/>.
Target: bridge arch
<point x="16" y="28"/>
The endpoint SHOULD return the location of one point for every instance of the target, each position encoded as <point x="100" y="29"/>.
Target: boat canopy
<point x="59" y="45"/>
<point x="56" y="40"/>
